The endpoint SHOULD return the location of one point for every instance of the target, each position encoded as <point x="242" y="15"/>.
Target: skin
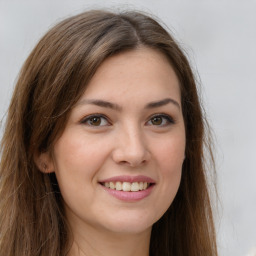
<point x="127" y="140"/>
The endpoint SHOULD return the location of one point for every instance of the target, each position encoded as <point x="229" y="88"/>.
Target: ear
<point x="44" y="162"/>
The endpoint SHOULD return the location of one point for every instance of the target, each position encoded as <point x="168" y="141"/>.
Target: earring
<point x="44" y="165"/>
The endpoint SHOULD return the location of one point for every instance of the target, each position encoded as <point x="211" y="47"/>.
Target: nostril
<point x="132" y="163"/>
<point x="123" y="162"/>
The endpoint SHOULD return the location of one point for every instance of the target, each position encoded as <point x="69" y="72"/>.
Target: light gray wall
<point x="220" y="37"/>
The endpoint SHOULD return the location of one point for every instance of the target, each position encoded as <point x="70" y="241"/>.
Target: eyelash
<point x="87" y="119"/>
<point x="168" y="120"/>
<point x="164" y="117"/>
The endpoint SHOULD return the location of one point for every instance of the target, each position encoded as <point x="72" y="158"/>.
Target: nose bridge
<point x="131" y="145"/>
<point x="134" y="138"/>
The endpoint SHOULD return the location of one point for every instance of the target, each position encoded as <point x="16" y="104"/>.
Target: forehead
<point x="134" y="73"/>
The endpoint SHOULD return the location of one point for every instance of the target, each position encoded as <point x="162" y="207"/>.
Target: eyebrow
<point x="101" y="103"/>
<point x="163" y="102"/>
<point x="107" y="104"/>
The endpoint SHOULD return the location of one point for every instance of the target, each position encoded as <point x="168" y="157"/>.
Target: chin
<point x="130" y="224"/>
<point x="130" y="229"/>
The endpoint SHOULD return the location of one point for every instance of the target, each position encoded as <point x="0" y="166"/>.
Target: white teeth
<point x="119" y="185"/>
<point x="111" y="185"/>
<point x="127" y="186"/>
<point x="135" y="186"/>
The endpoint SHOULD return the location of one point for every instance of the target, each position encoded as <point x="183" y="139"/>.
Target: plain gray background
<point x="220" y="39"/>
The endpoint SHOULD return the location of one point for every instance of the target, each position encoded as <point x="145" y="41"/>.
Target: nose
<point x="131" y="148"/>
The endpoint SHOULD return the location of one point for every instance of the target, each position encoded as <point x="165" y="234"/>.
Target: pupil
<point x="95" y="121"/>
<point x="157" y="120"/>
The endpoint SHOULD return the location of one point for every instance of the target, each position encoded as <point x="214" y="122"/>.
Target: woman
<point x="103" y="150"/>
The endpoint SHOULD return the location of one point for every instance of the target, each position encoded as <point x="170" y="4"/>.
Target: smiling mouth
<point x="126" y="186"/>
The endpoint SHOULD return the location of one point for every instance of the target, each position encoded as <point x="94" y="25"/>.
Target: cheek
<point x="78" y="159"/>
<point x="171" y="153"/>
<point x="80" y="151"/>
<point x="170" y="160"/>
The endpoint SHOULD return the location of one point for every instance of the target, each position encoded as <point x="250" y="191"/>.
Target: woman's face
<point x="118" y="162"/>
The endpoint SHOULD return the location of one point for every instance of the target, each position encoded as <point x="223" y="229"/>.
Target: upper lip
<point x="131" y="179"/>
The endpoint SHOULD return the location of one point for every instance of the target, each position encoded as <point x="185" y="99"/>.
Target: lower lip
<point x="129" y="196"/>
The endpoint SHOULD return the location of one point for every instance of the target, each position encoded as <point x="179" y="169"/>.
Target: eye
<point x="95" y="120"/>
<point x="160" y="120"/>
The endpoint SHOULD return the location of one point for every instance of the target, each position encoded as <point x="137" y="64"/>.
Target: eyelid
<point x="87" y="118"/>
<point x="170" y="119"/>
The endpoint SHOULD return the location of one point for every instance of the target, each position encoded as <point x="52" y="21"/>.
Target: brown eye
<point x="95" y="120"/>
<point x="161" y="120"/>
<point x="157" y="120"/>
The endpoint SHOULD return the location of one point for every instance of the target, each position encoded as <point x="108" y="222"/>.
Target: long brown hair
<point x="55" y="75"/>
